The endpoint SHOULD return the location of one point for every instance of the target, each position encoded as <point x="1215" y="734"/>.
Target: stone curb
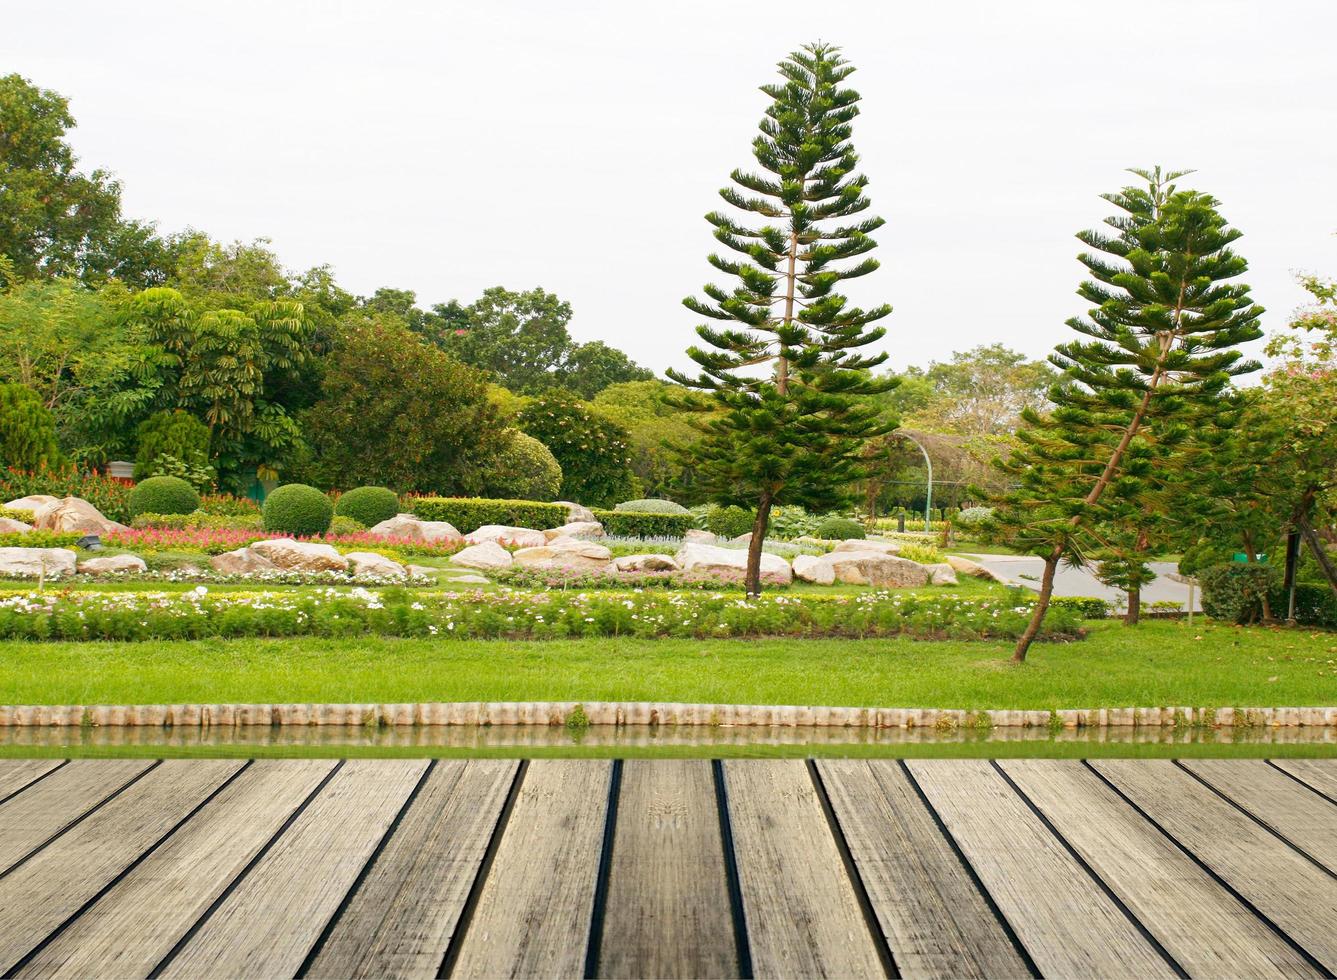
<point x="644" y="713"/>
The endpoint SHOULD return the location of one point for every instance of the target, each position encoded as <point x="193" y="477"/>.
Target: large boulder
<point x="301" y="556"/>
<point x="37" y="562"/>
<point x="566" y="554"/>
<point x="488" y="557"/>
<point x="576" y="529"/>
<point x="941" y="573"/>
<point x="868" y="544"/>
<point x="973" y="568"/>
<point x="697" y="536"/>
<point x="743" y="539"/>
<point x="645" y="563"/>
<point x="704" y="559"/>
<point x="74" y="514"/>
<point x="243" y="561"/>
<point x="10" y="526"/>
<point x="516" y="537"/>
<point x="33" y="502"/>
<point x="370" y="563"/>
<point x="113" y="565"/>
<point x="576" y="512"/>
<point x="408" y="526"/>
<point x="876" y="568"/>
<point x="808" y="568"/>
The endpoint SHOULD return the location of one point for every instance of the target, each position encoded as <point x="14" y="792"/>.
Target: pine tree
<point x="1163" y="332"/>
<point x="784" y="418"/>
<point x="27" y="430"/>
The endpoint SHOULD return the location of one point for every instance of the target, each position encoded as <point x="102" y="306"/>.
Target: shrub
<point x="368" y="505"/>
<point x="346" y="525"/>
<point x="163" y="495"/>
<point x="628" y="524"/>
<point x="526" y="469"/>
<point x="27" y="429"/>
<point x="925" y="554"/>
<point x="17" y="514"/>
<point x="199" y="519"/>
<point x="1315" y="605"/>
<point x="226" y="505"/>
<point x="972" y="518"/>
<point x="793" y="522"/>
<point x="470" y="513"/>
<point x="591" y="450"/>
<point x="298" y="509"/>
<point x="1233" y="592"/>
<point x="840" y="529"/>
<point x="730" y="522"/>
<point x="40" y="539"/>
<point x="1087" y="607"/>
<point x="651" y="506"/>
<point x="174" y="444"/>
<point x="109" y="496"/>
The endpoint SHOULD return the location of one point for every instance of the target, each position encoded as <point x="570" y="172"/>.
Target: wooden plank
<point x="1319" y="774"/>
<point x="1287" y="888"/>
<point x="533" y="913"/>
<point x="129" y="930"/>
<point x="802" y="912"/>
<point x="60" y="800"/>
<point x="668" y="911"/>
<point x="934" y="918"/>
<point x="43" y="892"/>
<point x="266" y="926"/>
<point x="17" y="774"/>
<point x="1067" y="924"/>
<point x="1296" y="812"/>
<point x="402" y="917"/>
<point x="1207" y="930"/>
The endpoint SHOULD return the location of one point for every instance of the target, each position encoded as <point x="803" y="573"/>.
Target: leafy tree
<point x="1163" y="334"/>
<point x="174" y="443"/>
<point x="980" y="392"/>
<point x="400" y="413"/>
<point x="656" y="431"/>
<point x="792" y="435"/>
<point x="589" y="368"/>
<point x="52" y="216"/>
<point x="27" y="430"/>
<point x="525" y="470"/>
<point x="592" y="451"/>
<point x="520" y="337"/>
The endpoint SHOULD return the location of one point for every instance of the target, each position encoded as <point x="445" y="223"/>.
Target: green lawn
<point x="1158" y="663"/>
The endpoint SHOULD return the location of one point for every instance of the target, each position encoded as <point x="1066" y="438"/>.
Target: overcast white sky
<point x="448" y="147"/>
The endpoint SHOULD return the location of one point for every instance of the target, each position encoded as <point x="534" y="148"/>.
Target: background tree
<point x="524" y="470"/>
<point x="979" y="392"/>
<point x="656" y="433"/>
<point x="27" y="430"/>
<point x="588" y="369"/>
<point x="520" y="337"/>
<point x="174" y="443"/>
<point x="1163" y="332"/>
<point x="793" y="433"/>
<point x="591" y="450"/>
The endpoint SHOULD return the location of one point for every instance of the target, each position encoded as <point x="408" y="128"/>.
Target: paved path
<point x="1025" y="570"/>
<point x="682" y="868"/>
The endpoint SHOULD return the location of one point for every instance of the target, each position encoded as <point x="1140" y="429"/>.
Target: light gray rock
<point x="941" y="573"/>
<point x="576" y="512"/>
<point x="697" y="536"/>
<point x="370" y="563"/>
<point x="883" y="547"/>
<point x="10" y="526"/>
<point x="33" y="502"/>
<point x="584" y="530"/>
<point x="516" y="537"/>
<point x="37" y="562"/>
<point x="707" y="559"/>
<point x="876" y="568"/>
<point x="469" y="580"/>
<point x="973" y="568"/>
<point x="301" y="556"/>
<point x="423" y="571"/>
<point x="566" y="554"/>
<point x="113" y="565"/>
<point x="243" y="561"/>
<point x="408" y="526"/>
<point x="808" y="568"/>
<point x="74" y="514"/>
<point x="743" y="539"/>
<point x="488" y="556"/>
<point x="645" y="563"/>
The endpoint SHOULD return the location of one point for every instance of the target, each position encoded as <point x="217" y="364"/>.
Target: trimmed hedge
<point x="651" y="505"/>
<point x="296" y="508"/>
<point x="730" y="522"/>
<point x="163" y="495"/>
<point x="629" y="524"/>
<point x="368" y="505"/>
<point x="1087" y="607"/>
<point x="470" y="513"/>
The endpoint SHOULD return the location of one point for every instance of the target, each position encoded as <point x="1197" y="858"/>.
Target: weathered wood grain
<point x="668" y="912"/>
<point x="44" y="891"/>
<point x="1318" y="774"/>
<point x="1289" y="889"/>
<point x="534" y="911"/>
<point x="934" y="918"/>
<point x="1206" y="929"/>
<point x="803" y="916"/>
<point x="44" y="810"/>
<point x="16" y="774"/>
<point x="1067" y="924"/>
<point x="136" y="923"/>
<point x="401" y="919"/>
<point x="266" y="926"/>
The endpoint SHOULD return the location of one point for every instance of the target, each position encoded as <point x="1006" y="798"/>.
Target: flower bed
<point x="215" y="541"/>
<point x="199" y="613"/>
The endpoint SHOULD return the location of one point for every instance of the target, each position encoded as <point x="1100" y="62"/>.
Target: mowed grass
<point x="1157" y="663"/>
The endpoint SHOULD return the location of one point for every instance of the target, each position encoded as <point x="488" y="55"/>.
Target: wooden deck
<point x="496" y="868"/>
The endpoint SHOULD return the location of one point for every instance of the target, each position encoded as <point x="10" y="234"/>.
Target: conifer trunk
<point x="1134" y="614"/>
<point x="1041" y="607"/>
<point x="753" y="579"/>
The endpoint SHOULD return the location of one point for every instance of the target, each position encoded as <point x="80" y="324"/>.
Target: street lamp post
<point x="928" y="495"/>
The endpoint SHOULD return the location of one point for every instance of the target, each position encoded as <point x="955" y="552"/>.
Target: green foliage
<point x="163" y="495"/>
<point x="1233" y="592"/>
<point x="40" y="539"/>
<point x="652" y="506"/>
<point x="17" y="514"/>
<point x="109" y="496"/>
<point x="647" y="524"/>
<point x="1315" y="605"/>
<point x="27" y="429"/>
<point x="592" y="451"/>
<point x="368" y="506"/>
<point x="469" y="514"/>
<point x="1086" y="607"/>
<point x="840" y="529"/>
<point x="925" y="554"/>
<point x="200" y="519"/>
<point x="789" y="522"/>
<point x="525" y="469"/>
<point x="979" y="392"/>
<point x="170" y="442"/>
<point x="729" y="522"/>
<point x="342" y="524"/>
<point x="656" y="431"/>
<point x="973" y="518"/>
<point x="296" y="508"/>
<point x="226" y="504"/>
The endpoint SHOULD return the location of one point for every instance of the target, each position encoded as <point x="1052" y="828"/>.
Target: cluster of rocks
<point x="63" y="514"/>
<point x="287" y="555"/>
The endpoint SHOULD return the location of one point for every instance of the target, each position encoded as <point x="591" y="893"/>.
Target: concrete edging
<point x="643" y="713"/>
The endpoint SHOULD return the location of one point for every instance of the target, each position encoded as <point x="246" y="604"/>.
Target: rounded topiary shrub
<point x="296" y="508"/>
<point x="652" y="505"/>
<point x="163" y="495"/>
<point x="368" y="505"/>
<point x="840" y="529"/>
<point x="729" y="522"/>
<point x="525" y="470"/>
